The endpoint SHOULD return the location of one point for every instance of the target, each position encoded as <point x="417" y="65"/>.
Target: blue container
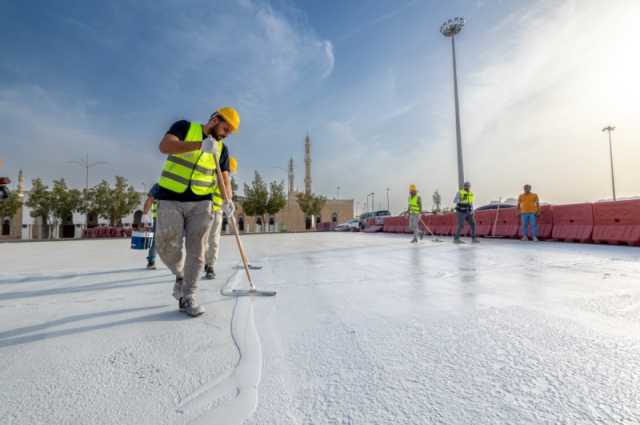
<point x="141" y="240"/>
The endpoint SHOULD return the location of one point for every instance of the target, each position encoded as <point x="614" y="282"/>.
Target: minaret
<point x="307" y="165"/>
<point x="291" y="175"/>
<point x="20" y="183"/>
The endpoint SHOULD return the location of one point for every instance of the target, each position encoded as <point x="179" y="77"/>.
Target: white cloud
<point x="534" y="110"/>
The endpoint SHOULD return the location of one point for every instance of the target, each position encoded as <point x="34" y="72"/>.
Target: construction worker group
<point x="463" y="204"/>
<point x="188" y="202"/>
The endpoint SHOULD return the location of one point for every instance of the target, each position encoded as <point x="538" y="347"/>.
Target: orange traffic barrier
<point x="573" y="222"/>
<point x="617" y="222"/>
<point x="484" y="222"/>
<point x="508" y="223"/>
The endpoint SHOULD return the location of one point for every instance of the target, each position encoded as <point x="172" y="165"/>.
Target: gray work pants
<point x="414" y="224"/>
<point x="214" y="239"/>
<point x="468" y="217"/>
<point x="191" y="221"/>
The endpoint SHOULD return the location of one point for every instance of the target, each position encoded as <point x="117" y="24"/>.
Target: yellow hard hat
<point x="413" y="187"/>
<point x="233" y="164"/>
<point x="231" y="116"/>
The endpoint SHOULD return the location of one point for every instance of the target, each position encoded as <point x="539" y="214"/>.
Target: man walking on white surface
<point x="187" y="184"/>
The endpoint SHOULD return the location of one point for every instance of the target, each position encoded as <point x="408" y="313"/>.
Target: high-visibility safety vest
<point x="465" y="200"/>
<point x="195" y="169"/>
<point x="154" y="209"/>
<point x="414" y="204"/>
<point x="217" y="200"/>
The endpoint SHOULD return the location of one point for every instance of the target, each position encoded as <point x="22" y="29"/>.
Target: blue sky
<point x="369" y="80"/>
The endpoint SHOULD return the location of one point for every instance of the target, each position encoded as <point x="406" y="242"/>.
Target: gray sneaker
<point x="475" y="240"/>
<point x="457" y="240"/>
<point x="177" y="288"/>
<point x="190" y="306"/>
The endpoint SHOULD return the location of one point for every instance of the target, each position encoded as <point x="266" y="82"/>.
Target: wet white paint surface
<point x="365" y="329"/>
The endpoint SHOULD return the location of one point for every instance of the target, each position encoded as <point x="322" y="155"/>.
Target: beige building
<point x="291" y="218"/>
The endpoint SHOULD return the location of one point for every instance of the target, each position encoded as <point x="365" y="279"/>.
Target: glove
<point x="228" y="208"/>
<point x="209" y="145"/>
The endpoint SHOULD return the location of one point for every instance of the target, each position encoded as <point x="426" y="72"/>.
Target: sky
<point x="369" y="81"/>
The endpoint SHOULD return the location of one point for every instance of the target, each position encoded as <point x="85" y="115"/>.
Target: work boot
<point x="475" y="240"/>
<point x="181" y="305"/>
<point x="209" y="273"/>
<point x="414" y="240"/>
<point x="190" y="306"/>
<point x="151" y="265"/>
<point x="524" y="238"/>
<point x="177" y="288"/>
<point x="457" y="240"/>
<point x="535" y="239"/>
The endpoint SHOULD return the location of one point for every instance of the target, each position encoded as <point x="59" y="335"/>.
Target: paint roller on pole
<point x="245" y="262"/>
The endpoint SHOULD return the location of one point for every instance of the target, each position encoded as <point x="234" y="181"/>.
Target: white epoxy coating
<point x="365" y="329"/>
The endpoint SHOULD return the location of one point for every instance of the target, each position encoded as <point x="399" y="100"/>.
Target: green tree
<point x="41" y="203"/>
<point x="256" y="197"/>
<point x="261" y="200"/>
<point x="277" y="198"/>
<point x="311" y="204"/>
<point x="64" y="201"/>
<point x="124" y="199"/>
<point x="10" y="206"/>
<point x="112" y="203"/>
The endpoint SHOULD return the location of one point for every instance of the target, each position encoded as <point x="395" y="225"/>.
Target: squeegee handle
<point x="234" y="226"/>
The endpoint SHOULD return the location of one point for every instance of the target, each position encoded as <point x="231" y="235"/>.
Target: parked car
<point x="364" y="217"/>
<point x="352" y="225"/>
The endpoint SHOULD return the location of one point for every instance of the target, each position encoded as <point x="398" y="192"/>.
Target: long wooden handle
<point x="425" y="226"/>
<point x="234" y="226"/>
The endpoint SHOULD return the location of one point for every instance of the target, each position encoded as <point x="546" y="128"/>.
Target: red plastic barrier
<point x="617" y="222"/>
<point x="443" y="224"/>
<point x="573" y="222"/>
<point x="508" y="222"/>
<point x="484" y="222"/>
<point x="396" y="224"/>
<point x="544" y="222"/>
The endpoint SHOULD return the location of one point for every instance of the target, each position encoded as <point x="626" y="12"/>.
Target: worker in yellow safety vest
<point x="187" y="184"/>
<point x="216" y="227"/>
<point x="463" y="203"/>
<point x="414" y="210"/>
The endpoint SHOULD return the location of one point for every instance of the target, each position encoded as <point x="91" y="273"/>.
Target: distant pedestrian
<point x="151" y="205"/>
<point x="529" y="210"/>
<point x="463" y="202"/>
<point x="414" y="209"/>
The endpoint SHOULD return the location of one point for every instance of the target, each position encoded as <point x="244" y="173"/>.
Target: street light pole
<point x="449" y="29"/>
<point x="609" y="129"/>
<point x="387" y="199"/>
<point x="86" y="165"/>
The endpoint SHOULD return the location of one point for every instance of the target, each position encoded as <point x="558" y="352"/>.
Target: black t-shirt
<point x="180" y="129"/>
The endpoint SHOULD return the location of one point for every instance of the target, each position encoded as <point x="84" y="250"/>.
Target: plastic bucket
<point x="141" y="240"/>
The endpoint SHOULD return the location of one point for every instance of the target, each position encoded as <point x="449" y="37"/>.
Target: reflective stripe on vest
<point x="217" y="200"/>
<point x="195" y="168"/>
<point x="154" y="209"/>
<point x="414" y="207"/>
